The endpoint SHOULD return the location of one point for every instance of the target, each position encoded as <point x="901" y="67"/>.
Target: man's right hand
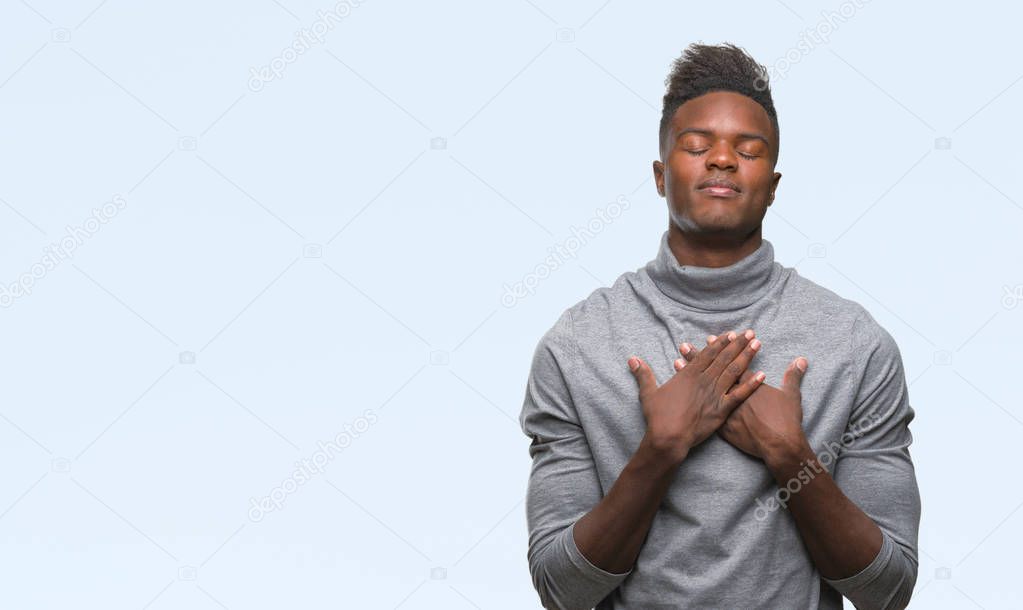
<point x="693" y="404"/>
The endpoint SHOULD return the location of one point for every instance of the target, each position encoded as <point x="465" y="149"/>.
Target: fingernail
<point x="731" y="336"/>
<point x="755" y="344"/>
<point x="679" y="363"/>
<point x="711" y="339"/>
<point x="749" y="334"/>
<point x="633" y="363"/>
<point x="760" y="376"/>
<point x="686" y="349"/>
<point x="801" y="364"/>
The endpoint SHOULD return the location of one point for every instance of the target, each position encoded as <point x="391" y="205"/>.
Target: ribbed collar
<point x="716" y="288"/>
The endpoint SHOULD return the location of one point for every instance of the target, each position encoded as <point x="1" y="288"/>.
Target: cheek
<point x="760" y="182"/>
<point x="685" y="169"/>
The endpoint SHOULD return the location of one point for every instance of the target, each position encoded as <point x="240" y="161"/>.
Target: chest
<point x="606" y="393"/>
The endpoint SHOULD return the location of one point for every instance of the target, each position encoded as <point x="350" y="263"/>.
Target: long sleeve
<point x="875" y="471"/>
<point x="563" y="484"/>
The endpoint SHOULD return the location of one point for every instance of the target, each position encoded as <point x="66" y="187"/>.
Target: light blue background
<point x="128" y="470"/>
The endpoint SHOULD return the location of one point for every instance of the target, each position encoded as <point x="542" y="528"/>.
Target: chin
<point x="708" y="221"/>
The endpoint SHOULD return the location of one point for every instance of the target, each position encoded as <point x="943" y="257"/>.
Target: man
<point x="769" y="469"/>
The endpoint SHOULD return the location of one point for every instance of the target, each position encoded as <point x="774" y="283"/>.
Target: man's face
<point x="716" y="141"/>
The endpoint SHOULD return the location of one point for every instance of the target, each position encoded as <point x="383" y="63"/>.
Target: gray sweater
<point x="721" y="538"/>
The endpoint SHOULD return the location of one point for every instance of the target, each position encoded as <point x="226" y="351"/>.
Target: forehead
<point x="722" y="112"/>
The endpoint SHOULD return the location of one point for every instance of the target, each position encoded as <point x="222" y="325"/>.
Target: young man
<point x="769" y="469"/>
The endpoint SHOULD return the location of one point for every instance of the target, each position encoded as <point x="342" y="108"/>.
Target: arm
<point x="860" y="524"/>
<point x="613" y="533"/>
<point x="582" y="546"/>
<point x="817" y="506"/>
<point x="563" y="483"/>
<point x="875" y="473"/>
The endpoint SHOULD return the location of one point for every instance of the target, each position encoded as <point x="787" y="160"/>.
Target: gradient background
<point x="333" y="248"/>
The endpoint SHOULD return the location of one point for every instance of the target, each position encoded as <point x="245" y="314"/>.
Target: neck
<point x="711" y="249"/>
<point x="730" y="273"/>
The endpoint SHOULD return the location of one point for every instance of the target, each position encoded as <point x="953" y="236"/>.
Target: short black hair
<point x="704" y="68"/>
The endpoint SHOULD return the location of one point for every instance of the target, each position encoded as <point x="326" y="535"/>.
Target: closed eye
<point x="697" y="153"/>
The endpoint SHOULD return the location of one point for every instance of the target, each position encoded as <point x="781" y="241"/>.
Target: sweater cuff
<point x="584" y="566"/>
<point x="865" y="576"/>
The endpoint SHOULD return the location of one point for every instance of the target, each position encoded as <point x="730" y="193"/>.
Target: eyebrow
<point x="707" y="132"/>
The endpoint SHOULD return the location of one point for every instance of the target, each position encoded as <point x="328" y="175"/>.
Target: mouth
<point x="719" y="187"/>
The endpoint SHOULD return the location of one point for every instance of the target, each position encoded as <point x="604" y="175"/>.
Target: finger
<point x="737" y="395"/>
<point x="707" y="355"/>
<point x="793" y="377"/>
<point x="743" y="378"/>
<point x="688" y="351"/>
<point x="735" y="370"/>
<point x="679" y="364"/>
<point x="644" y="376"/>
<point x="725" y="360"/>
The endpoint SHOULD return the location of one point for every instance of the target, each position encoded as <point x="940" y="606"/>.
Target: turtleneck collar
<point x="715" y="288"/>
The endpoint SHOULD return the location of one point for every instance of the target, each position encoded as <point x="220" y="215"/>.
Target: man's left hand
<point x="769" y="422"/>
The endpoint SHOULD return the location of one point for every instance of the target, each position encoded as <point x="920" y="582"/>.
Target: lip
<point x="720" y="187"/>
<point x="719" y="191"/>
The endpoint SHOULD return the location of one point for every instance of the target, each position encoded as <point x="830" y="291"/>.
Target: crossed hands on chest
<point x="713" y="391"/>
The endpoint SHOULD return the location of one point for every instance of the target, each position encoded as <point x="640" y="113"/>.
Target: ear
<point x="774" y="187"/>
<point x="659" y="177"/>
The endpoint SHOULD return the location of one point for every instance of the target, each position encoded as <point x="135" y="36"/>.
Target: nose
<point x="721" y="156"/>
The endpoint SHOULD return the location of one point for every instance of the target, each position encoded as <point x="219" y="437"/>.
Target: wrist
<point x="666" y="453"/>
<point x="786" y="456"/>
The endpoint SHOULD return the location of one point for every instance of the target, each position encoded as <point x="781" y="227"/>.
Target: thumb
<point x="644" y="376"/>
<point x="793" y="377"/>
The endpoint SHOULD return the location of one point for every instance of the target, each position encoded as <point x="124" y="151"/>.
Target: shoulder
<point x="587" y="322"/>
<point x="594" y="313"/>
<point x="870" y="347"/>
<point x="877" y="350"/>
<point x="868" y="343"/>
<point x="826" y="305"/>
<point x="561" y="334"/>
<point x="841" y="312"/>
